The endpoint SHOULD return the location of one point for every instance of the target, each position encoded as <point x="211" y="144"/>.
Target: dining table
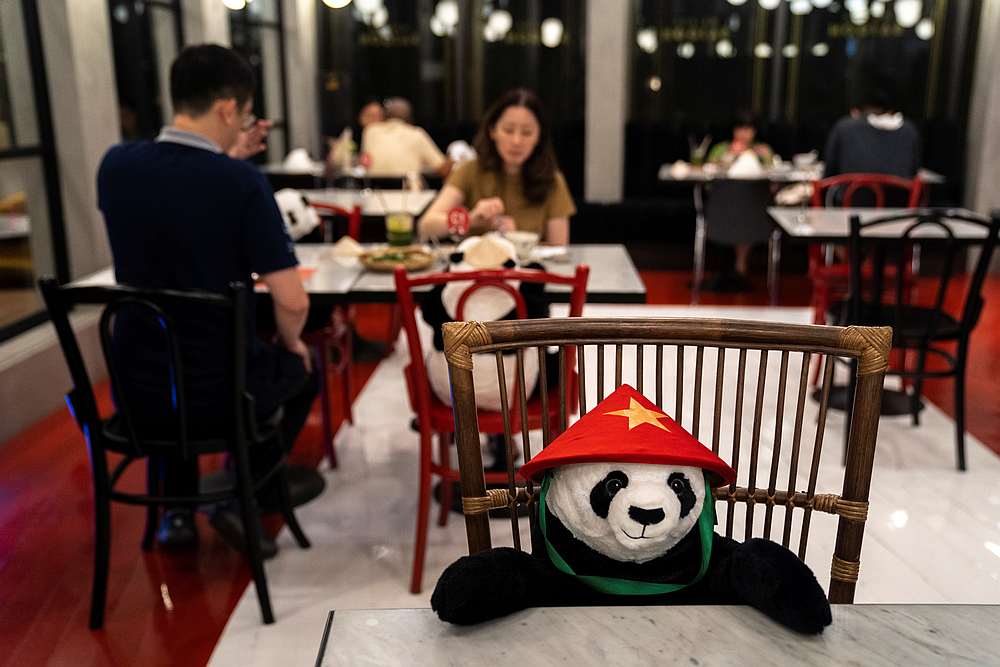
<point x="832" y="226"/>
<point x="783" y="175"/>
<point x="860" y="634"/>
<point x="373" y="202"/>
<point x="332" y="279"/>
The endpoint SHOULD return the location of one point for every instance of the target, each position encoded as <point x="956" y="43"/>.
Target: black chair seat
<point x="203" y="438"/>
<point x="914" y="321"/>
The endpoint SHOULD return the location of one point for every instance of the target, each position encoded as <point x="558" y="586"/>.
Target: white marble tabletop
<point x="700" y="175"/>
<point x="613" y="276"/>
<point x="332" y="279"/>
<point x="683" y="635"/>
<point x="374" y="202"/>
<point x="834" y="223"/>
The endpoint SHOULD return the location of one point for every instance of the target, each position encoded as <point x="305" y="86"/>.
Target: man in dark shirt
<point x="182" y="214"/>
<point x="876" y="141"/>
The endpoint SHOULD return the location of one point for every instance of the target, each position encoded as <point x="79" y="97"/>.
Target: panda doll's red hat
<point x="627" y="427"/>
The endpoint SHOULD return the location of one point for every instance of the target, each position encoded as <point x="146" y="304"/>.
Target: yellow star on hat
<point x="639" y="414"/>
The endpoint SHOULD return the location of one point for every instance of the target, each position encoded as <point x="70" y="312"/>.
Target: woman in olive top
<point x="514" y="183"/>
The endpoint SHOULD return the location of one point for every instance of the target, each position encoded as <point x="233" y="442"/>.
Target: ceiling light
<point x="769" y="4"/>
<point x="763" y="50"/>
<point x="724" y="48"/>
<point x="552" y="32"/>
<point x="380" y="17"/>
<point x="908" y="12"/>
<point x="821" y="4"/>
<point x="878" y="9"/>
<point x="685" y="50"/>
<point x="336" y="4"/>
<point x="820" y="49"/>
<point x="925" y="29"/>
<point x="655" y="83"/>
<point x="646" y="39"/>
<point x="737" y="3"/>
<point x="790" y="51"/>
<point x="800" y="7"/>
<point x="447" y="13"/>
<point x="502" y="21"/>
<point x="368" y="7"/>
<point x="235" y="5"/>
<point x="438" y="28"/>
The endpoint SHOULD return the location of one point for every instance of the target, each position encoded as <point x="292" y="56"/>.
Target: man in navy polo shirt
<point x="181" y="213"/>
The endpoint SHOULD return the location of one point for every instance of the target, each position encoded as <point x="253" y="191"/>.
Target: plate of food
<point x="412" y="258"/>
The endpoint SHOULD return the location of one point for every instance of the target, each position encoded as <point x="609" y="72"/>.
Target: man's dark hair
<point x="205" y="73"/>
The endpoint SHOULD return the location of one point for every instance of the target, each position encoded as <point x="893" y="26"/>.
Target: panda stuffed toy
<point x="490" y="251"/>
<point x="626" y="517"/>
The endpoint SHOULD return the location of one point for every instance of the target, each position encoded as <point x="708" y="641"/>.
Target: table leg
<point x="773" y="265"/>
<point x="699" y="243"/>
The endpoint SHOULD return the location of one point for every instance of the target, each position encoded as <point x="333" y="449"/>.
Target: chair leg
<point x="289" y="513"/>
<point x="423" y="512"/>
<point x="346" y="369"/>
<point x="324" y="402"/>
<point x="102" y="543"/>
<point x="252" y="534"/>
<point x="152" y="511"/>
<point x="960" y="406"/>
<point x="918" y="387"/>
<point x="444" y="456"/>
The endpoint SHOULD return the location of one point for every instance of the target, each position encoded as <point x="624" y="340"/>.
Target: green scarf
<point x="614" y="586"/>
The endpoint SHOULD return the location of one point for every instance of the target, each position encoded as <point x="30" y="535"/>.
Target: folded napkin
<point x="347" y="247"/>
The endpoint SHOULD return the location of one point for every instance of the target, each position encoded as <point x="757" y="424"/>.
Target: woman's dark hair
<point x="538" y="173"/>
<point x="746" y="119"/>
<point x="202" y="74"/>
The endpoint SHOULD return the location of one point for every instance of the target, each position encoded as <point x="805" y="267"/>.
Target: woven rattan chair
<point x="712" y="343"/>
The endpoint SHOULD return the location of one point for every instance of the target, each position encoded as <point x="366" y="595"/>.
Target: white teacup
<point x="524" y="242"/>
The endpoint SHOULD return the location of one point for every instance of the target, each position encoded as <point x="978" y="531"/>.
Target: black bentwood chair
<point x="182" y="438"/>
<point x="921" y="326"/>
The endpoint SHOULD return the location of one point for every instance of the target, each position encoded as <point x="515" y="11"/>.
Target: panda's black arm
<point x="770" y="578"/>
<point x="492" y="584"/>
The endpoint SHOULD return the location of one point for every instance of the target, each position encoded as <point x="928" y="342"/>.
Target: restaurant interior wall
<point x="451" y="59"/>
<point x="257" y="32"/>
<point x="694" y="64"/>
<point x="205" y="21"/>
<point x="146" y="37"/>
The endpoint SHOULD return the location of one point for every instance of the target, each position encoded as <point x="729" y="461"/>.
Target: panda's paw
<point x="484" y="586"/>
<point x="774" y="580"/>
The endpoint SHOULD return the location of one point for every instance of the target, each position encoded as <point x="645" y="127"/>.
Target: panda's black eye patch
<point x="605" y="490"/>
<point x="456" y="257"/>
<point x="509" y="264"/>
<point x="679" y="484"/>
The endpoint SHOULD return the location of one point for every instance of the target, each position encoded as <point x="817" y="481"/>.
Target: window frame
<point x="45" y="151"/>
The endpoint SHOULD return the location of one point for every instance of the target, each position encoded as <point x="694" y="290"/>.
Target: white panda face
<point x="627" y="511"/>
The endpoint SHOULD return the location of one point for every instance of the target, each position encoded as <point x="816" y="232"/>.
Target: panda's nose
<point x="644" y="516"/>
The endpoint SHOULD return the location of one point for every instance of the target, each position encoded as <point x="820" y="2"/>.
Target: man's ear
<point x="227" y="109"/>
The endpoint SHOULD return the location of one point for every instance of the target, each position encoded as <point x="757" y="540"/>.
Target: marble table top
<point x="861" y="634"/>
<point x="833" y="224"/>
<point x="329" y="279"/>
<point x="613" y="277"/>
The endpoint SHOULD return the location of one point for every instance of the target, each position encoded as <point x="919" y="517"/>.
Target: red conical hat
<point x="627" y="427"/>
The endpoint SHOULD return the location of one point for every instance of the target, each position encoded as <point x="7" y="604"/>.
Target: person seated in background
<point x="744" y="139"/>
<point x="342" y="149"/>
<point x="182" y="213"/>
<point x="396" y="147"/>
<point x="735" y="214"/>
<point x="514" y="182"/>
<point x="876" y="141"/>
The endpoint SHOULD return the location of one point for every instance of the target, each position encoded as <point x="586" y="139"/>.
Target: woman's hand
<point x="485" y="210"/>
<point x="504" y="223"/>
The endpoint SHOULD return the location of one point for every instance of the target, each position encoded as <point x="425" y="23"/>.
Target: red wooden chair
<point x="333" y="342"/>
<point x="435" y="417"/>
<point x="830" y="280"/>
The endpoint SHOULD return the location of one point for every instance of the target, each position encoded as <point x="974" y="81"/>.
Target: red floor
<point x="166" y="609"/>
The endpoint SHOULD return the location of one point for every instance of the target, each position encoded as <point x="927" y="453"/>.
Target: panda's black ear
<point x="509" y="264"/>
<point x="456" y="257"/>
